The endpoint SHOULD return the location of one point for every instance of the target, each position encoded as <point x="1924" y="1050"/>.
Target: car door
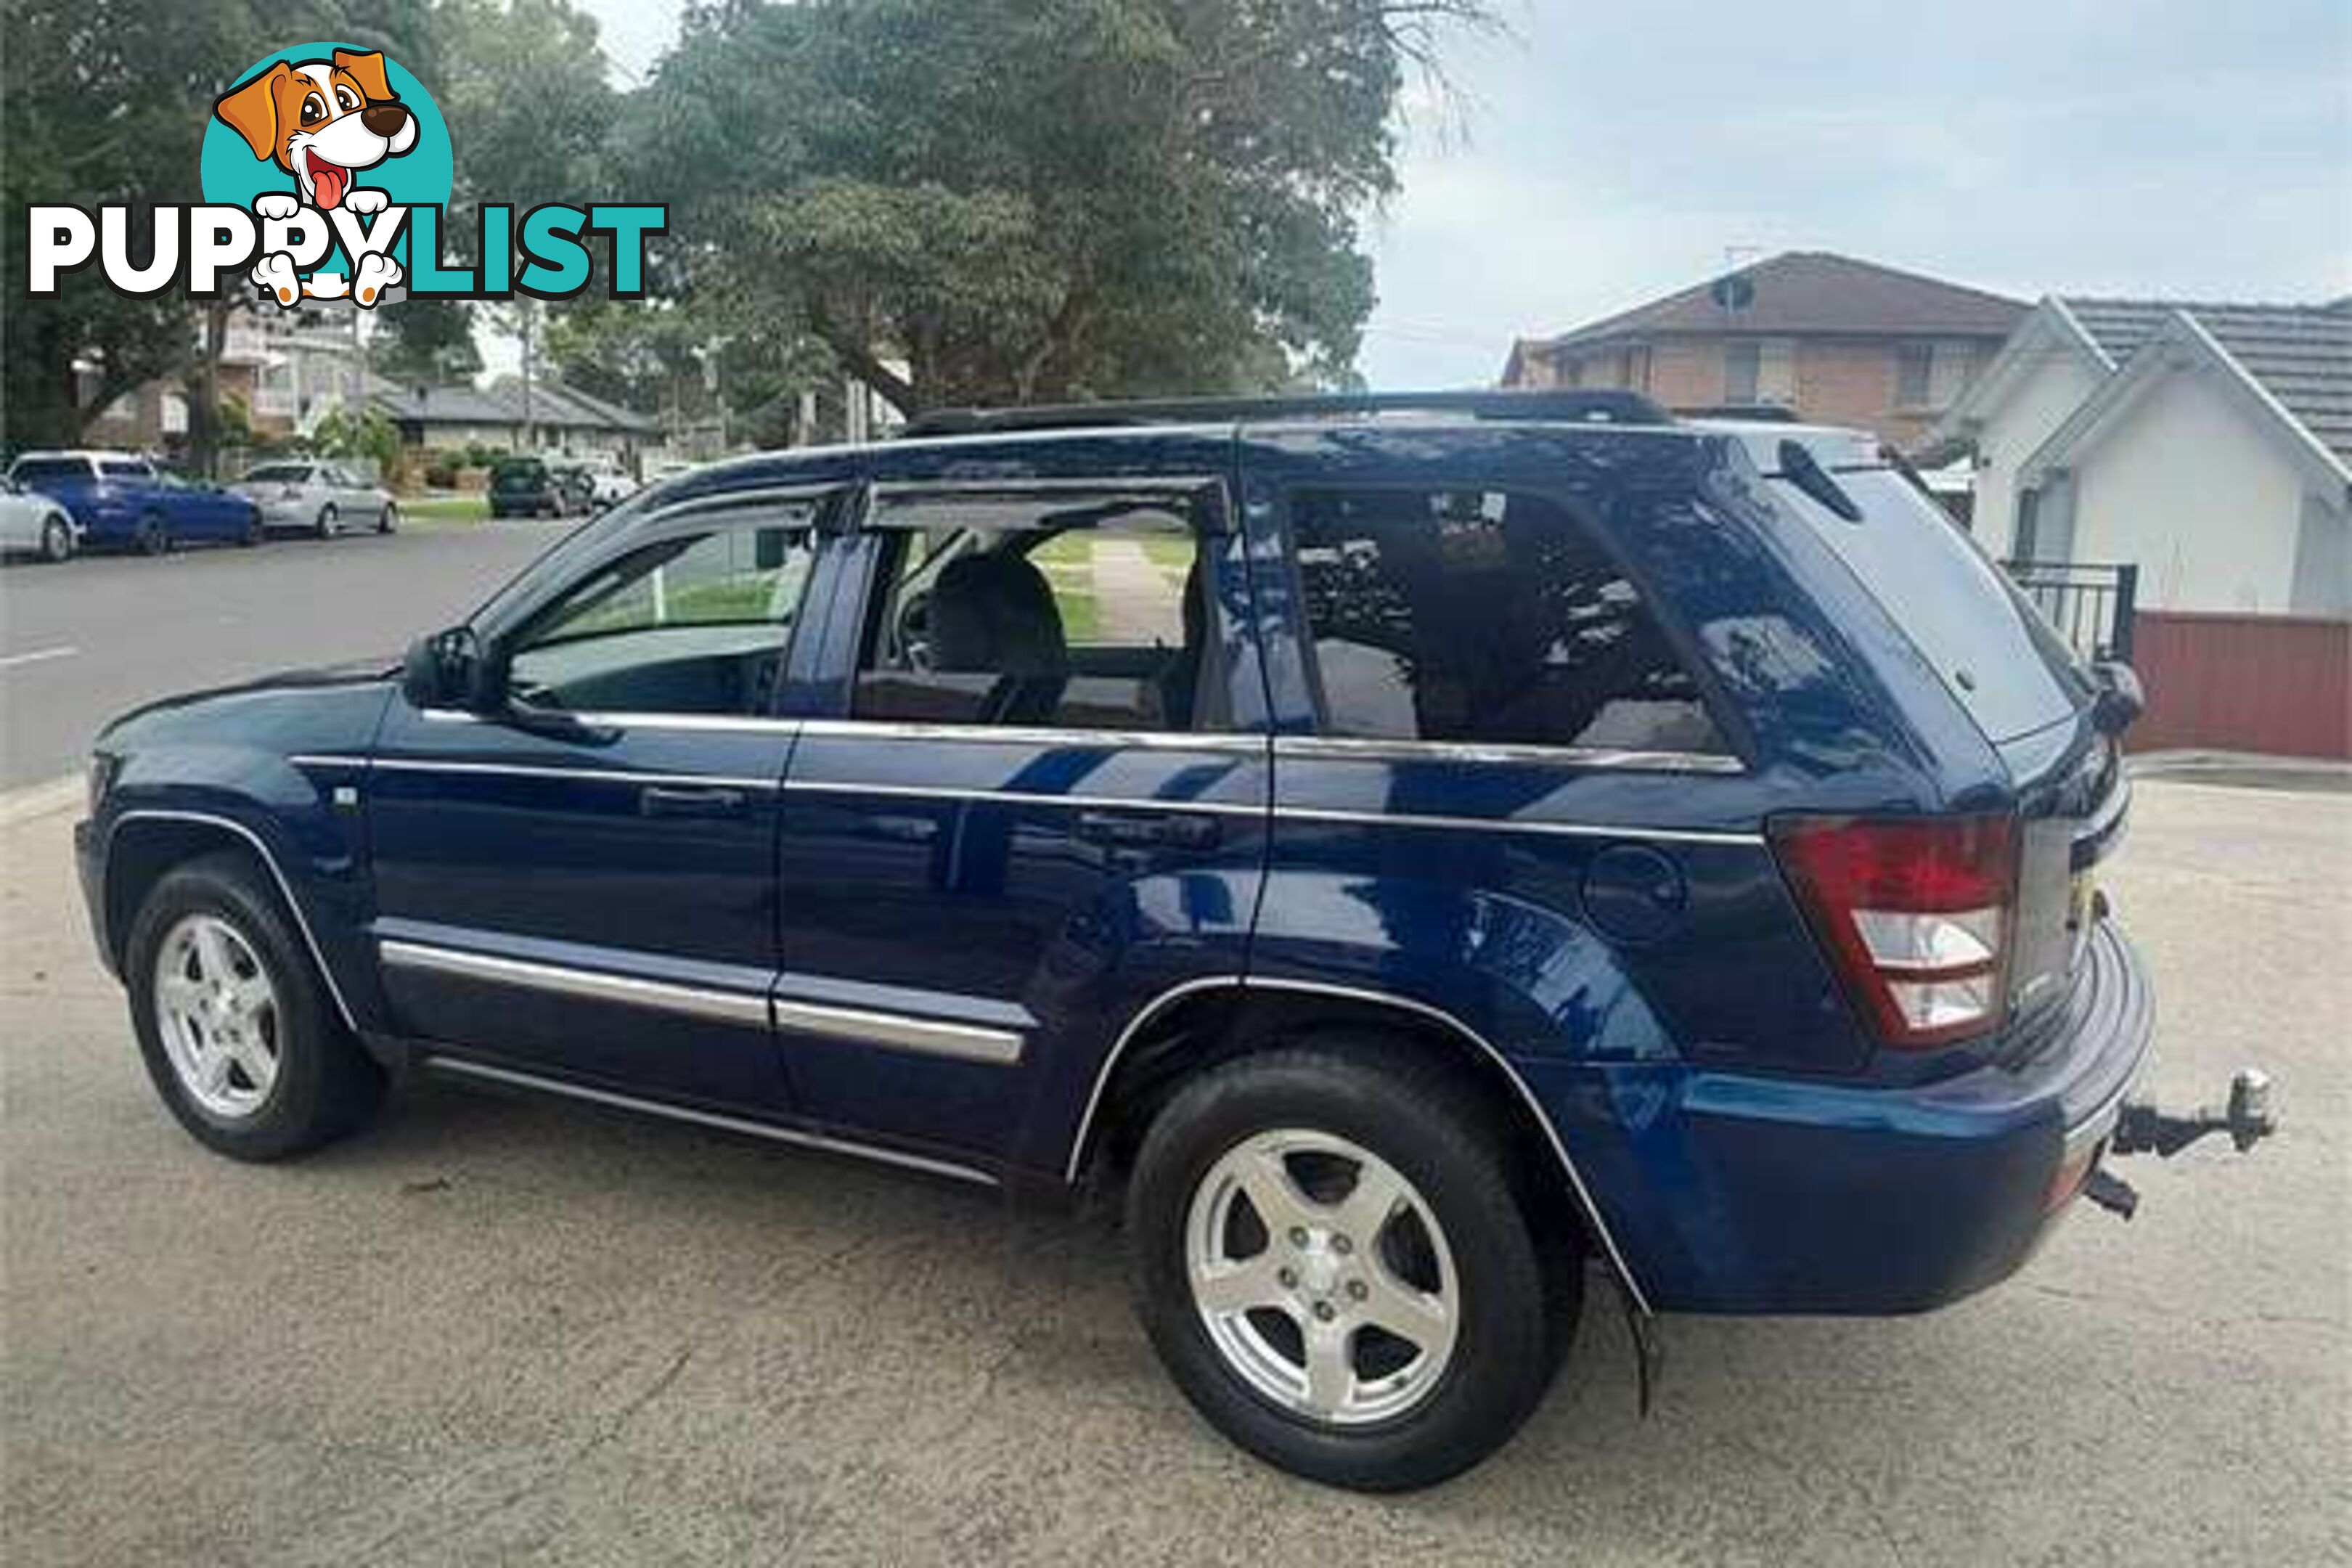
<point x="1038" y="802"/>
<point x="581" y="881"/>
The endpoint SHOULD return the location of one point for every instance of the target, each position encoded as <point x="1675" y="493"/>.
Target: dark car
<point x="124" y="501"/>
<point x="1412" y="847"/>
<point x="529" y="487"/>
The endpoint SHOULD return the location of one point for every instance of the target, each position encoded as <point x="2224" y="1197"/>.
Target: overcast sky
<point x="1614" y="153"/>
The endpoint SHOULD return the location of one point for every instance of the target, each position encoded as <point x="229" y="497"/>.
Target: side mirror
<point x="446" y="670"/>
<point x="2120" y="700"/>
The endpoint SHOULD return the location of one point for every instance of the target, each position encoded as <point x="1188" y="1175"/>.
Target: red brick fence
<point x="2279" y="684"/>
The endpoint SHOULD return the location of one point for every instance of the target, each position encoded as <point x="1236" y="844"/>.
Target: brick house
<point x="1836" y="340"/>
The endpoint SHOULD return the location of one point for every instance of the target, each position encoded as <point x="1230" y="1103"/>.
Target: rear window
<point x="1989" y="645"/>
<point x="1484" y="616"/>
<point x="34" y="472"/>
<point x="280" y="473"/>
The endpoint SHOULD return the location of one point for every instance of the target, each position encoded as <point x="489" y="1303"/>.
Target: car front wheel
<point x="326" y="523"/>
<point x="388" y="520"/>
<point x="238" y="1032"/>
<point x="1330" y="1255"/>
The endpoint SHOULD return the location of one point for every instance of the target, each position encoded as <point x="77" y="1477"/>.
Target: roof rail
<point x="1575" y="406"/>
<point x="1751" y="412"/>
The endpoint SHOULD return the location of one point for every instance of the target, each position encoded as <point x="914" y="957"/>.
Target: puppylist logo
<point x="326" y="176"/>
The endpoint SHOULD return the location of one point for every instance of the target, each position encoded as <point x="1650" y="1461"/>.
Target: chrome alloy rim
<point x="1322" y="1277"/>
<point x="218" y="1015"/>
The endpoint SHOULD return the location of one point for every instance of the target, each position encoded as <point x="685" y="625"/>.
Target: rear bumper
<point x="1791" y="1196"/>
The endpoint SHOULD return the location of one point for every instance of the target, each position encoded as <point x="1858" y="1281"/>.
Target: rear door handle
<point x="1129" y="830"/>
<point x="678" y="800"/>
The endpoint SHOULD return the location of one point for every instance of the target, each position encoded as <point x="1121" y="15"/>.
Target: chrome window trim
<point x="1468" y="752"/>
<point x="534" y="770"/>
<point x="1024" y="797"/>
<point x="1159" y="1003"/>
<point x="285" y="888"/>
<point x="823" y="1142"/>
<point x="1515" y="825"/>
<point x="902" y="1032"/>
<point x="1234" y="741"/>
<point x="564" y="980"/>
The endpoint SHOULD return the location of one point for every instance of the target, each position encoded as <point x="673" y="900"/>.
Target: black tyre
<point x="388" y="520"/>
<point x="239" y="1033"/>
<point x="154" y="536"/>
<point x="325" y="526"/>
<point x="1330" y="1253"/>
<point x="56" y="540"/>
<point x="252" y="534"/>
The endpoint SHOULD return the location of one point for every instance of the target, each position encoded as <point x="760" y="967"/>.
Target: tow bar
<point x="2143" y="1129"/>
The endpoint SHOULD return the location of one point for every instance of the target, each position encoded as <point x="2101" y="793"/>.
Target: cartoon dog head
<point x="321" y="119"/>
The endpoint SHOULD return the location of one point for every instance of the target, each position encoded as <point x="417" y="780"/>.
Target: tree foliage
<point x="1038" y="198"/>
<point x="106" y="101"/>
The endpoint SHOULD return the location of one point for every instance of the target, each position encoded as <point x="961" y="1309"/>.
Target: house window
<point x="1929" y="377"/>
<point x="1759" y="370"/>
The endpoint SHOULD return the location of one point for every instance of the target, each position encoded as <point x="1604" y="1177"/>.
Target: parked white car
<point x="317" y="497"/>
<point x="607" y="484"/>
<point x="33" y="524"/>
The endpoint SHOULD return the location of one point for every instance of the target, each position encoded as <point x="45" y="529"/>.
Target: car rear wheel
<point x="326" y="524"/>
<point x="1330" y="1255"/>
<point x="56" y="540"/>
<point x="154" y="536"/>
<point x="239" y="1033"/>
<point x="251" y="534"/>
<point x="388" y="520"/>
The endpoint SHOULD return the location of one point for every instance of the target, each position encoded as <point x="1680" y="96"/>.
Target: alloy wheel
<point x="1322" y="1278"/>
<point x="219" y="1015"/>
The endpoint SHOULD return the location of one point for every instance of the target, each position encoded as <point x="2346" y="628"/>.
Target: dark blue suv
<point x="1410" y="847"/>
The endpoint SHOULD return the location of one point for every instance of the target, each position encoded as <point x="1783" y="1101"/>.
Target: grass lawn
<point x="445" y="510"/>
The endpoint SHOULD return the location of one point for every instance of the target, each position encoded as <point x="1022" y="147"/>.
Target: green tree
<point x="1029" y="199"/>
<point x="104" y="101"/>
<point x="426" y="341"/>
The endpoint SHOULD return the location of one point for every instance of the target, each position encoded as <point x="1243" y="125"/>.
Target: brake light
<point x="1916" y="912"/>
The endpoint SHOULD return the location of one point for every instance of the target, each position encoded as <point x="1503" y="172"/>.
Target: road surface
<point x="81" y="642"/>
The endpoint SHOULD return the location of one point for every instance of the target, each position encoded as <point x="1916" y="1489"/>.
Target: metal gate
<point x="2091" y="604"/>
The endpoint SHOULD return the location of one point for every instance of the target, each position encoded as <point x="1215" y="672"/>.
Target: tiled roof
<point x="552" y="404"/>
<point x="2300" y="354"/>
<point x="1814" y="292"/>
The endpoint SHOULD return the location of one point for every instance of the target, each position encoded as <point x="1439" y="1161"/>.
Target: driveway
<point x="515" y="1331"/>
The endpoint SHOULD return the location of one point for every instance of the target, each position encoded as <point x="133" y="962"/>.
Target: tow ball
<point x="2144" y="1128"/>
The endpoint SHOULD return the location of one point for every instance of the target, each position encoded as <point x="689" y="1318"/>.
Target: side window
<point x="1483" y="617"/>
<point x="692" y="624"/>
<point x="124" y="468"/>
<point x="1063" y="613"/>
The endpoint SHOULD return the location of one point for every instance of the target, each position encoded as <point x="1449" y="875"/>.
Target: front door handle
<point x="1129" y="830"/>
<point x="679" y="800"/>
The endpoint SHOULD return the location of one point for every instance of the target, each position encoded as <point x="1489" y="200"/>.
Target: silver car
<point x="33" y="524"/>
<point x="318" y="497"/>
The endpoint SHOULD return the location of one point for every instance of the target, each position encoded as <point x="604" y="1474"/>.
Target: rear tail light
<point x="1915" y="913"/>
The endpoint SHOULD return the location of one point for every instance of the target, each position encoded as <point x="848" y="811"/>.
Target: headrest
<point x="994" y="614"/>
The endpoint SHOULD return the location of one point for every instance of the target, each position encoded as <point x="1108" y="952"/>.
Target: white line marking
<point x="10" y="660"/>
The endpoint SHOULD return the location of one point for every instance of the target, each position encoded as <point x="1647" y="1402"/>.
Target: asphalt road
<point x="507" y="1331"/>
<point x="82" y="642"/>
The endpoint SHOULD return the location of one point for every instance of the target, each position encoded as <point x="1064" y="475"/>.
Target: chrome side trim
<point x="1590" y="757"/>
<point x="1379" y="998"/>
<point x="1238" y="741"/>
<point x="285" y="889"/>
<point x="819" y="1140"/>
<point x="1514" y="824"/>
<point x="709" y="723"/>
<point x="562" y="980"/>
<point x="902" y="1032"/>
<point x="531" y="770"/>
<point x="1024" y="797"/>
